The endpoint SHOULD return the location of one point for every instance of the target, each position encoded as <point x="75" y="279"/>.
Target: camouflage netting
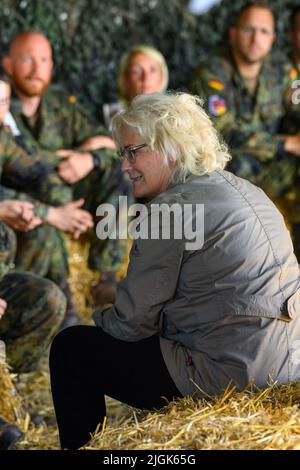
<point x="90" y="36"/>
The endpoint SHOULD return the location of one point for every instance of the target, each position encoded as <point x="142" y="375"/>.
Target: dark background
<point x="90" y="36"/>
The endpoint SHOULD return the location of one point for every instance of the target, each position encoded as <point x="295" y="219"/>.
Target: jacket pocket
<point x="263" y="306"/>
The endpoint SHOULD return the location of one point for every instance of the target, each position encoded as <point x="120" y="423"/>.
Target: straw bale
<point x="265" y="419"/>
<point x="10" y="401"/>
<point x="81" y="277"/>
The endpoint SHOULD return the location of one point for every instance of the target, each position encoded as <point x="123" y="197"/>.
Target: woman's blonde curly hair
<point x="175" y="126"/>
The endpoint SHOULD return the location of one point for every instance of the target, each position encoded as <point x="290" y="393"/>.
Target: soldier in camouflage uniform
<point x="24" y="172"/>
<point x="248" y="95"/>
<point x="291" y="126"/>
<point x="35" y="308"/>
<point x="43" y="188"/>
<point x="53" y="121"/>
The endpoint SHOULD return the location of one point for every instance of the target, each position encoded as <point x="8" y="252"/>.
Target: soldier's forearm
<point x="40" y="209"/>
<point x="103" y="158"/>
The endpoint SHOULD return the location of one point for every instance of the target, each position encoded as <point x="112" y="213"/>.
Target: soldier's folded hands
<point x="75" y="165"/>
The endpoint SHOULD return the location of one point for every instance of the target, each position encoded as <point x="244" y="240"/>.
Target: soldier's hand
<point x="3" y="306"/>
<point x="19" y="215"/>
<point x="70" y="218"/>
<point x="97" y="142"/>
<point x="292" y="144"/>
<point x="105" y="291"/>
<point x="75" y="165"/>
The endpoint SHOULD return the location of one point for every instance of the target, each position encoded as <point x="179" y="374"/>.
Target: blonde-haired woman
<point x="142" y="70"/>
<point x="190" y="318"/>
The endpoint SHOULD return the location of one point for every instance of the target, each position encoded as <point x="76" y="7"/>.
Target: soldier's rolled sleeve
<point x="40" y="209"/>
<point x="103" y="158"/>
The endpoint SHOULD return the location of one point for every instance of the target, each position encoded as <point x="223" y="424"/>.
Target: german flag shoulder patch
<point x="293" y="73"/>
<point x="216" y="84"/>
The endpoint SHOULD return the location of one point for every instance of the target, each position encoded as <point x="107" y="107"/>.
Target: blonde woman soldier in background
<point x="142" y="70"/>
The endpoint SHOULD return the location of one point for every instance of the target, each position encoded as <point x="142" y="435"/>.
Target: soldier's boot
<point x="9" y="434"/>
<point x="72" y="316"/>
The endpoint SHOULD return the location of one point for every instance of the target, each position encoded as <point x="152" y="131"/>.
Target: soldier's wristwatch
<point x="95" y="160"/>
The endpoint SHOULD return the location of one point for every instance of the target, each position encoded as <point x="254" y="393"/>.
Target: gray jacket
<point x="227" y="312"/>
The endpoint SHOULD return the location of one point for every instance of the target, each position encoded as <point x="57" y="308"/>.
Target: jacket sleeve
<point x="151" y="282"/>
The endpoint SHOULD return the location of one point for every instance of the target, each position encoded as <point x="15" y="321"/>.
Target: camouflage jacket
<point x="61" y="124"/>
<point x="250" y="123"/>
<point x="7" y="249"/>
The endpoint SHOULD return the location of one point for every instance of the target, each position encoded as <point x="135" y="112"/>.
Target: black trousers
<point x="86" y="363"/>
<point x="296" y="240"/>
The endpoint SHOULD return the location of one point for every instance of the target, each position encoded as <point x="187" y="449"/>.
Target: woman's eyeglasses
<point x="129" y="152"/>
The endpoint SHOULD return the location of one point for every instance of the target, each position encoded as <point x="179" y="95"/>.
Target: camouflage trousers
<point x="35" y="309"/>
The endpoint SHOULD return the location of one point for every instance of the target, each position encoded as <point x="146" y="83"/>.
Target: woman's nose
<point x="126" y="165"/>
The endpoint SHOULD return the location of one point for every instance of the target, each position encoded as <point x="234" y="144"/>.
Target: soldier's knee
<point x="56" y="300"/>
<point x="50" y="301"/>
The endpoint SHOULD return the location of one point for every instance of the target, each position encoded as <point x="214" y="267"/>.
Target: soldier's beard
<point x="252" y="59"/>
<point x="30" y="86"/>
